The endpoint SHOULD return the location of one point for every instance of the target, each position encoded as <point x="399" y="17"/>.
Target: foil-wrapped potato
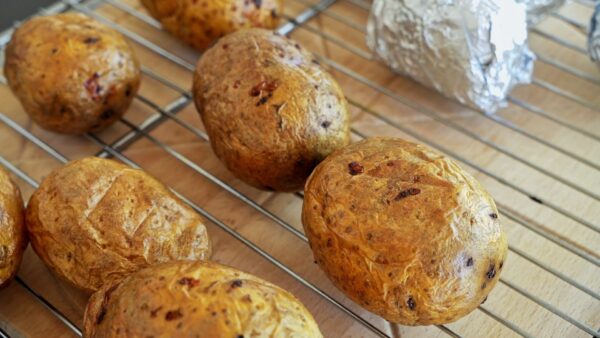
<point x="199" y="23"/>
<point x="403" y="231"/>
<point x="95" y="220"/>
<point x="196" y="299"/>
<point x="271" y="111"/>
<point x="71" y="73"/>
<point x="13" y="237"/>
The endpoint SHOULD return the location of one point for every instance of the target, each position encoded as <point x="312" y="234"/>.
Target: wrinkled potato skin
<point x="427" y="256"/>
<point x="13" y="237"/>
<point x="71" y="73"/>
<point x="196" y="299"/>
<point x="95" y="220"/>
<point x="200" y="23"/>
<point x="272" y="113"/>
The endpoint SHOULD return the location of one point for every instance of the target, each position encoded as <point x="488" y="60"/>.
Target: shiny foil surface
<point x="474" y="51"/>
<point x="538" y="9"/>
<point x="594" y="36"/>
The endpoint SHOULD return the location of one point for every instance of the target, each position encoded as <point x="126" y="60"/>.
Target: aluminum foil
<point x="538" y="9"/>
<point x="594" y="36"/>
<point x="474" y="51"/>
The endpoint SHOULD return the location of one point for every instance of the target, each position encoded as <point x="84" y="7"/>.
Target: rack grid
<point x="553" y="222"/>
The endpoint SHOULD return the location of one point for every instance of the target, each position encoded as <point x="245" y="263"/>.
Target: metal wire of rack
<point x="169" y="113"/>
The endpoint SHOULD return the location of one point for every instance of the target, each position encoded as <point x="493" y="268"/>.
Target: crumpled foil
<point x="594" y="36"/>
<point x="538" y="9"/>
<point x="474" y="51"/>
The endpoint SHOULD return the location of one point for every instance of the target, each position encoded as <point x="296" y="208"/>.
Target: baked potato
<point x="95" y="220"/>
<point x="403" y="231"/>
<point x="195" y="299"/>
<point x="71" y="73"/>
<point x="200" y="23"/>
<point x="13" y="237"/>
<point x="271" y="112"/>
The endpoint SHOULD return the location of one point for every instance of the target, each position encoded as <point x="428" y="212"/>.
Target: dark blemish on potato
<point x="491" y="273"/>
<point x="236" y="84"/>
<point x="325" y="124"/>
<point x="91" y="40"/>
<point x="408" y="192"/>
<point x="54" y="51"/>
<point x="369" y="236"/>
<point x="274" y="13"/>
<point x="173" y="315"/>
<point x="483" y="301"/>
<point x="297" y="46"/>
<point x="316" y="87"/>
<point x="411" y="303"/>
<point x="240" y="336"/>
<point x="190" y="282"/>
<point x="263" y="100"/>
<point x="472" y="221"/>
<point x="355" y="168"/>
<point x="494" y="215"/>
<point x="257" y="3"/>
<point x="214" y="313"/>
<point x="107" y="114"/>
<point x="154" y="312"/>
<point x="470" y="261"/>
<point x="483" y="286"/>
<point x="315" y="262"/>
<point x="101" y="315"/>
<point x="236" y="284"/>
<point x="390" y="164"/>
<point x="225" y="46"/>
<point x="93" y="87"/>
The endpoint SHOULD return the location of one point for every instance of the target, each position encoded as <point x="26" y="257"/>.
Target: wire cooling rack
<point x="540" y="158"/>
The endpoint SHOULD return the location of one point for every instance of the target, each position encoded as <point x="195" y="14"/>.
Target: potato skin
<point x="71" y="73"/>
<point x="196" y="299"/>
<point x="200" y="23"/>
<point x="95" y="220"/>
<point x="403" y="231"/>
<point x="13" y="237"/>
<point x="271" y="112"/>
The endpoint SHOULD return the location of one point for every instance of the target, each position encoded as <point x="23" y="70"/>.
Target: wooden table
<point x="544" y="176"/>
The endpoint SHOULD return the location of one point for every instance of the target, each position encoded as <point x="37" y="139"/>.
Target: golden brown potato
<point x="272" y="113"/>
<point x="71" y="73"/>
<point x="201" y="22"/>
<point x="403" y="231"/>
<point x="96" y="220"/>
<point x="13" y="238"/>
<point x="196" y="299"/>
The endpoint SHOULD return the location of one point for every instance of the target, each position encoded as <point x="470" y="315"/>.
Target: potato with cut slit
<point x="196" y="299"/>
<point x="13" y="237"/>
<point x="95" y="220"/>
<point x="404" y="231"/>
<point x="71" y="73"/>
<point x="271" y="111"/>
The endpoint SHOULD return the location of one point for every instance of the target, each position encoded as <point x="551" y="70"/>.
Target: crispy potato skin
<point x="196" y="299"/>
<point x="13" y="237"/>
<point x="272" y="113"/>
<point x="95" y="220"/>
<point x="403" y="231"/>
<point x="200" y="23"/>
<point x="71" y="73"/>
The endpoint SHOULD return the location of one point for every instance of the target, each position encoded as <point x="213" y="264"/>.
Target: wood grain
<point x="386" y="114"/>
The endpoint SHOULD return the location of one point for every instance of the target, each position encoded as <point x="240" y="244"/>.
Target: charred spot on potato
<point x="491" y="273"/>
<point x="410" y="302"/>
<point x="91" y="40"/>
<point x="107" y="114"/>
<point x="173" y="315"/>
<point x="470" y="261"/>
<point x="190" y="282"/>
<point x="325" y="124"/>
<point x="128" y="91"/>
<point x="408" y="192"/>
<point x="236" y="284"/>
<point x="355" y="168"/>
<point x="494" y="215"/>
